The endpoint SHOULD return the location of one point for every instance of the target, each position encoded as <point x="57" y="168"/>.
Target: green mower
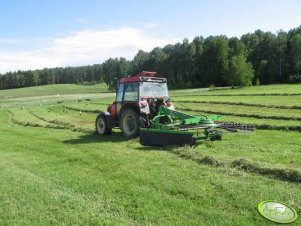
<point x="171" y="127"/>
<point x="143" y="107"/>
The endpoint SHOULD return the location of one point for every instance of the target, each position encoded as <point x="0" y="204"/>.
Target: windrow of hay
<point x="188" y="153"/>
<point x="243" y="94"/>
<point x="288" y="175"/>
<point x="53" y="124"/>
<point x="244" y="115"/>
<point x="283" y="128"/>
<point x="82" y="110"/>
<point x="280" y="174"/>
<point x="239" y="103"/>
<point x="53" y="121"/>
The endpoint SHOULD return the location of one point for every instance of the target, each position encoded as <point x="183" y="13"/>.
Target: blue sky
<point x="37" y="34"/>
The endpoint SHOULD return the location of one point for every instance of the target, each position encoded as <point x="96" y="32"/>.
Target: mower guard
<point x="157" y="137"/>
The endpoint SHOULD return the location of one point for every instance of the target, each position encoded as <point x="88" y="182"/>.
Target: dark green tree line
<point x="47" y="76"/>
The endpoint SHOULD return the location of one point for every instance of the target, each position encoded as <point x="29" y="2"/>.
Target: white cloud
<point x="9" y="41"/>
<point x="83" y="48"/>
<point x="151" y="25"/>
<point x="81" y="21"/>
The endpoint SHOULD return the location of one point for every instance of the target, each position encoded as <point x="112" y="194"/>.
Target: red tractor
<point x="142" y="107"/>
<point x="137" y="101"/>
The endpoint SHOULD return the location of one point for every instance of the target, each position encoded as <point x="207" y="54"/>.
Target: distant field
<point x="44" y="95"/>
<point x="257" y="100"/>
<point x="268" y="89"/>
<point x="57" y="89"/>
<point x="54" y="170"/>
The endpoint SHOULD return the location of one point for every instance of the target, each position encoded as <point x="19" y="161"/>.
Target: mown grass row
<point x="63" y="114"/>
<point x="262" y="115"/>
<point x="264" y="89"/>
<point x="289" y="175"/>
<point x="52" y="121"/>
<point x="242" y="94"/>
<point x="40" y="121"/>
<point x="81" y="109"/>
<point x="293" y="114"/>
<point x="264" y="100"/>
<point x="71" y="120"/>
<point x="239" y="104"/>
<point x="283" y="128"/>
<point x="16" y="119"/>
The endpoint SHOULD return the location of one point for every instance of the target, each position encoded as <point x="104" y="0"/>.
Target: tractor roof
<point x="146" y="76"/>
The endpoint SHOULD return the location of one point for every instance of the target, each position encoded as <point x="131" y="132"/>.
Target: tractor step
<point x="157" y="137"/>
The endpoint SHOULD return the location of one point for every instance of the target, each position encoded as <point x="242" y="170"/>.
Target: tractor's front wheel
<point x="129" y="123"/>
<point x="101" y="125"/>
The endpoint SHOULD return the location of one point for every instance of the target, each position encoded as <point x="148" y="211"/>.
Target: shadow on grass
<point x="172" y="148"/>
<point x="95" y="138"/>
<point x="156" y="148"/>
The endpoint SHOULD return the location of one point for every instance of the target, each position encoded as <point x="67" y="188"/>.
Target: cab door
<point x="119" y="97"/>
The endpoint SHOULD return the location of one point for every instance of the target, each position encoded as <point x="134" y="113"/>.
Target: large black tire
<point x="129" y="123"/>
<point x="101" y="125"/>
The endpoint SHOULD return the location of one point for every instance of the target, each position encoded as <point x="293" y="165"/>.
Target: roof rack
<point x="146" y="73"/>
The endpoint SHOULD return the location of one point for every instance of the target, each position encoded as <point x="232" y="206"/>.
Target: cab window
<point x="131" y="92"/>
<point x="120" y="92"/>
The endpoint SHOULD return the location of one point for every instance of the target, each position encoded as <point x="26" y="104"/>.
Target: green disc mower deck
<point x="170" y="127"/>
<point x="157" y="137"/>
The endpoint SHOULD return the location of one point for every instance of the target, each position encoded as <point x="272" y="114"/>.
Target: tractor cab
<point x="144" y="91"/>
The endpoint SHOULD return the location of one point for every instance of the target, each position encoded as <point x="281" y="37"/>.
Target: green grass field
<point x="54" y="170"/>
<point x="52" y="90"/>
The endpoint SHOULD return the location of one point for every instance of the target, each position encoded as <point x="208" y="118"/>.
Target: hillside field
<point x="54" y="169"/>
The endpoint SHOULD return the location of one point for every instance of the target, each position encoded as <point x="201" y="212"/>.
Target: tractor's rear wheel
<point x="129" y="123"/>
<point x="101" y="125"/>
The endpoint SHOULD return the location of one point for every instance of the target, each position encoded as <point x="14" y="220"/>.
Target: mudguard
<point x="109" y="119"/>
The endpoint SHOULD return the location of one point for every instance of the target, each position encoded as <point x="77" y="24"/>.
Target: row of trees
<point x="255" y="58"/>
<point x="51" y="76"/>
